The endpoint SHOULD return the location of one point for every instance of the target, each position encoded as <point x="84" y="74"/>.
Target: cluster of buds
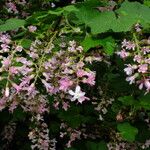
<point x="138" y="71"/>
<point x="121" y="146"/>
<point x="102" y="103"/>
<point x="8" y="133"/>
<point x="39" y="136"/>
<point x="74" y="134"/>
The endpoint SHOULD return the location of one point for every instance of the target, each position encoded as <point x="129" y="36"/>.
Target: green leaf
<point x="70" y="8"/>
<point x="127" y="131"/>
<point x="12" y="24"/>
<point x="57" y="12"/>
<point x="18" y="115"/>
<point x="107" y="43"/>
<point x="64" y="10"/>
<point x="140" y="13"/>
<point x="119" y="21"/>
<point x="127" y="100"/>
<point x="90" y="42"/>
<point x="145" y="101"/>
<point x="87" y="11"/>
<point x="147" y="3"/>
<point x="102" y="22"/>
<point x="25" y="43"/>
<point x="1" y="22"/>
<point x="96" y="146"/>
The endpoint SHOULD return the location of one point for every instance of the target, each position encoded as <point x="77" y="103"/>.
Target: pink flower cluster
<point x="27" y="72"/>
<point x="138" y="71"/>
<point x="61" y="73"/>
<point x="4" y="42"/>
<point x="17" y="8"/>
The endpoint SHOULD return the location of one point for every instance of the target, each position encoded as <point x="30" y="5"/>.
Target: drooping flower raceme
<point x="138" y="71"/>
<point x="27" y="73"/>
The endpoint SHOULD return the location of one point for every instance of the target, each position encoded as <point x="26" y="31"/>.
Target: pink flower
<point x="5" y="39"/>
<point x="65" y="106"/>
<point x="131" y="79"/>
<point x="31" y="90"/>
<point x="5" y="47"/>
<point x="79" y="48"/>
<point x="123" y="54"/>
<point x="130" y="69"/>
<point x="80" y="73"/>
<point x="128" y="45"/>
<point x="13" y="106"/>
<point x="137" y="58"/>
<point x="65" y="83"/>
<point x="137" y="27"/>
<point x="17" y="87"/>
<point x="6" y="62"/>
<point x="3" y="102"/>
<point x="19" y="48"/>
<point x="12" y="7"/>
<point x="147" y="84"/>
<point x="90" y="78"/>
<point x="33" y="55"/>
<point x="32" y="28"/>
<point x="56" y="105"/>
<point x="13" y="70"/>
<point x="47" y="85"/>
<point x="143" y="68"/>
<point x="145" y="50"/>
<point x="141" y="85"/>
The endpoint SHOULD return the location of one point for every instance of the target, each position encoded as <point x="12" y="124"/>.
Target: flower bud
<point x="7" y="91"/>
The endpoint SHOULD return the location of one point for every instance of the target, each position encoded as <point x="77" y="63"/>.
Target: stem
<point x="40" y="63"/>
<point x="9" y="74"/>
<point x="136" y="43"/>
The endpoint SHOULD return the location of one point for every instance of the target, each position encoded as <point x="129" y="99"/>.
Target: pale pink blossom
<point x="137" y="58"/>
<point x="6" y="62"/>
<point x="123" y="54"/>
<point x="80" y="73"/>
<point x="143" y="68"/>
<point x="13" y="70"/>
<point x="65" y="83"/>
<point x="145" y="50"/>
<point x="65" y="106"/>
<point x="18" y="88"/>
<point x="90" y="79"/>
<point x="11" y="7"/>
<point x="3" y="102"/>
<point x="147" y="84"/>
<point x="5" y="38"/>
<point x="131" y="79"/>
<point x="130" y="69"/>
<point x="19" y="48"/>
<point x="128" y="45"/>
<point x="137" y="27"/>
<point x="5" y="47"/>
<point x="32" y="28"/>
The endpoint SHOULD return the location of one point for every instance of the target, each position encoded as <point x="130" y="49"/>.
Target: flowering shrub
<point x="74" y="75"/>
